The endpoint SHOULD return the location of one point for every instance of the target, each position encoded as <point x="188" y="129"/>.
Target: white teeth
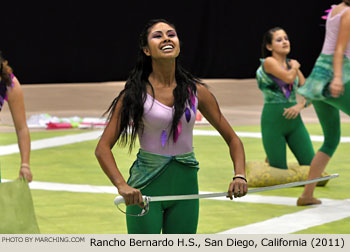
<point x="167" y="47"/>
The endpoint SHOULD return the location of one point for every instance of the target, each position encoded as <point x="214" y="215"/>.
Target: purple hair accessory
<point x="326" y="11"/>
<point x="163" y="138"/>
<point x="177" y="131"/>
<point x="193" y="101"/>
<point x="194" y="108"/>
<point x="188" y="114"/>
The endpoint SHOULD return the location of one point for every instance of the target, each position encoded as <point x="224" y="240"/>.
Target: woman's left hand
<point x="26" y="173"/>
<point x="238" y="188"/>
<point x="292" y="112"/>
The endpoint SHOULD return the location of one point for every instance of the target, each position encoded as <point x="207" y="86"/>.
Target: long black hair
<point x="5" y="71"/>
<point x="135" y="92"/>
<point x="347" y="2"/>
<point x="267" y="40"/>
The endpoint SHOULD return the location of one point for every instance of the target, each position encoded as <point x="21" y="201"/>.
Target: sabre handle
<point x="119" y="200"/>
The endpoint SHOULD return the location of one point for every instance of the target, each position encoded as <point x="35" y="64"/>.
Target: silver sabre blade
<point x="119" y="199"/>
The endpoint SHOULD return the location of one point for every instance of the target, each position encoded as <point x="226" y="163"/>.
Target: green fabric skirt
<point x="168" y="217"/>
<point x="316" y="86"/>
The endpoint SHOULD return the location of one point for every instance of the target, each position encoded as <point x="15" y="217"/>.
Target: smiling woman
<point x="159" y="105"/>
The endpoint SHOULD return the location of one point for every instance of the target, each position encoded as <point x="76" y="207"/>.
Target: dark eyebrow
<point x="162" y="32"/>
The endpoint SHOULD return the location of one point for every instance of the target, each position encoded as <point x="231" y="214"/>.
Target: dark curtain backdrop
<point x="84" y="41"/>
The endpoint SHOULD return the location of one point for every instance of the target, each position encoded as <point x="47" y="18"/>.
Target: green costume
<point x="316" y="89"/>
<point x="277" y="131"/>
<point x="158" y="175"/>
<point x="165" y="165"/>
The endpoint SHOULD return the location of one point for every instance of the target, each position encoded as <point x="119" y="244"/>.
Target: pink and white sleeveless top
<point x="157" y="120"/>
<point x="332" y="29"/>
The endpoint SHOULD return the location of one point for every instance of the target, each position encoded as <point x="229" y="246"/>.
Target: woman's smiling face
<point x="162" y="42"/>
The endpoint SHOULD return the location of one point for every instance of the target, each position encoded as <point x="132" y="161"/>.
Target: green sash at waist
<point x="148" y="166"/>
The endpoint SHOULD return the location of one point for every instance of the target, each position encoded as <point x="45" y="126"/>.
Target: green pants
<point x="277" y="132"/>
<point x="327" y="111"/>
<point x="168" y="217"/>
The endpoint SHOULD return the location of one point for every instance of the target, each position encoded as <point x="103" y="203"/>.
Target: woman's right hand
<point x="293" y="112"/>
<point x="294" y="64"/>
<point x="336" y="87"/>
<point x="131" y="195"/>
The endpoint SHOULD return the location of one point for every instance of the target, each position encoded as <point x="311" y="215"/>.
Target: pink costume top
<point x="157" y="120"/>
<point x="332" y="29"/>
